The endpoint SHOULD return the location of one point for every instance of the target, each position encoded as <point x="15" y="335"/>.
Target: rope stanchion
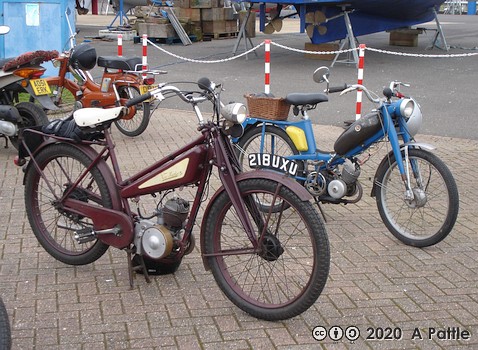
<point x="120" y="45"/>
<point x="358" y="108"/>
<point x="145" y="55"/>
<point x="267" y="66"/>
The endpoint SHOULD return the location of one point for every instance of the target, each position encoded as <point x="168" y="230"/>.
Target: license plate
<point x="145" y="88"/>
<point x="274" y="162"/>
<point x="40" y="87"/>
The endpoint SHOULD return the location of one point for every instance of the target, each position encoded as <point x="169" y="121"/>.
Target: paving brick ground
<point x="375" y="281"/>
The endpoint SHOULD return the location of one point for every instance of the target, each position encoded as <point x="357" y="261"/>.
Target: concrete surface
<point x="376" y="283"/>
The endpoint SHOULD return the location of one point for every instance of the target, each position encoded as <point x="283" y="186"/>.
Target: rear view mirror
<point x="321" y="75"/>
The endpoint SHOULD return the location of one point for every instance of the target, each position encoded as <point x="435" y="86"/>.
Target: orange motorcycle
<point x="122" y="80"/>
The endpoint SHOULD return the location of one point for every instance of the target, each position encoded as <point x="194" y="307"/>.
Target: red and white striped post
<point x="145" y="55"/>
<point x="120" y="44"/>
<point x="267" y="66"/>
<point x="358" y="109"/>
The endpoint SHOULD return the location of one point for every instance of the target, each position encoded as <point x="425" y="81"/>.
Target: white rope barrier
<point x="361" y="50"/>
<point x="422" y="55"/>
<point x="204" y="61"/>
<point x="312" y="53"/>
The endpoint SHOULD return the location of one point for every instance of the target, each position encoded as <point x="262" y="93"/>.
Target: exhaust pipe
<point x="9" y="117"/>
<point x="8" y="128"/>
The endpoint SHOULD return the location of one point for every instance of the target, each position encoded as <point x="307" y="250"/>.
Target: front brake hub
<point x="271" y="248"/>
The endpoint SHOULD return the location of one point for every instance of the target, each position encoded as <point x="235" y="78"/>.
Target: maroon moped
<point x="260" y="235"/>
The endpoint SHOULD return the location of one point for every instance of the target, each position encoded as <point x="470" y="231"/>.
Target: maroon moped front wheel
<point x="287" y="271"/>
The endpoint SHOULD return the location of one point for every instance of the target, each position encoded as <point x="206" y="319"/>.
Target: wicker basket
<point x="274" y="108"/>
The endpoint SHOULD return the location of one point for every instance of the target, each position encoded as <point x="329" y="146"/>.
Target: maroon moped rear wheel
<point x="54" y="227"/>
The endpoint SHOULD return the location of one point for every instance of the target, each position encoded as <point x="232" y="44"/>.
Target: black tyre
<point x="139" y="122"/>
<point x="55" y="228"/>
<point x="431" y="215"/>
<point x="31" y="115"/>
<point x="62" y="97"/>
<point x="5" y="332"/>
<point x="287" y="273"/>
<point x="276" y="141"/>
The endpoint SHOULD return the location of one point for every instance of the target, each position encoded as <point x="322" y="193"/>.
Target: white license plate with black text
<point x="274" y="162"/>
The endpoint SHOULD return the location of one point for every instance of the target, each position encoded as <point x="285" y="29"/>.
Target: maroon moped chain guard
<point x="104" y="218"/>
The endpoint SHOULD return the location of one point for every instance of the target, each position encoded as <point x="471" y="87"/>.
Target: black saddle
<point x="301" y="99"/>
<point x="123" y="63"/>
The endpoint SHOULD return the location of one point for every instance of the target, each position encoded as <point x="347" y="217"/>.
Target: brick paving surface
<point x="375" y="282"/>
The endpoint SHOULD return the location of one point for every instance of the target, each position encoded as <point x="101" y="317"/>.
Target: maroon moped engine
<point x="156" y="240"/>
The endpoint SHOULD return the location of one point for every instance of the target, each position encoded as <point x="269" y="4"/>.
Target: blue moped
<point x="416" y="194"/>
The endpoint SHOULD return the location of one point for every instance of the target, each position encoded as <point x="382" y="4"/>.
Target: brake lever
<point x="347" y="90"/>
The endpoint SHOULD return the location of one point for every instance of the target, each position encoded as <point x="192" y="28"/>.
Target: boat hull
<point x="366" y="16"/>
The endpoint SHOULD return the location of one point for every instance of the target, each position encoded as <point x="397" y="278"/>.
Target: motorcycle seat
<point x="300" y="99"/>
<point x="4" y="61"/>
<point x="28" y="58"/>
<point x="92" y="117"/>
<point x="123" y="63"/>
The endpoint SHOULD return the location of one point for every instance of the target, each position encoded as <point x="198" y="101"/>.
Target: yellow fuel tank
<point x="297" y="136"/>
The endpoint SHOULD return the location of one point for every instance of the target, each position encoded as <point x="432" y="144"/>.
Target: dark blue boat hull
<point x="364" y="23"/>
<point x="366" y="16"/>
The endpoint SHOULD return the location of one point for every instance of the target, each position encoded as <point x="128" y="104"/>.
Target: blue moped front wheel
<point x="425" y="216"/>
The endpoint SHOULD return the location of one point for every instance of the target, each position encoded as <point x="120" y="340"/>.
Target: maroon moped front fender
<point x="286" y="181"/>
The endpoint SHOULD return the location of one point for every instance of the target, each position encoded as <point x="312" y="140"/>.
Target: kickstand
<point x="132" y="269"/>
<point x="320" y="208"/>
<point x="6" y="140"/>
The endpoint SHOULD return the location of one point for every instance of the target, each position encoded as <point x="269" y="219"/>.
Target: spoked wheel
<point x="5" y="332"/>
<point x="276" y="141"/>
<point x="286" y="274"/>
<point x="430" y="216"/>
<point x="62" y="97"/>
<point x="54" y="227"/>
<point x="133" y="125"/>
<point x="31" y="115"/>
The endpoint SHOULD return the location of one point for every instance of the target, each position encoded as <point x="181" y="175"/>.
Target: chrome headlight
<point x="406" y="107"/>
<point x="234" y="112"/>
<point x="410" y="110"/>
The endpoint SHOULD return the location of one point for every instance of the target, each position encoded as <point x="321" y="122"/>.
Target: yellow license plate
<point x="145" y="88"/>
<point x="40" y="87"/>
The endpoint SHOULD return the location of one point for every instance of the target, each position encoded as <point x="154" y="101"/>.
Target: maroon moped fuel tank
<point x="181" y="171"/>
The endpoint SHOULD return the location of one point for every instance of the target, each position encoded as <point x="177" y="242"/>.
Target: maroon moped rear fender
<point x="286" y="181"/>
<point x="101" y="165"/>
